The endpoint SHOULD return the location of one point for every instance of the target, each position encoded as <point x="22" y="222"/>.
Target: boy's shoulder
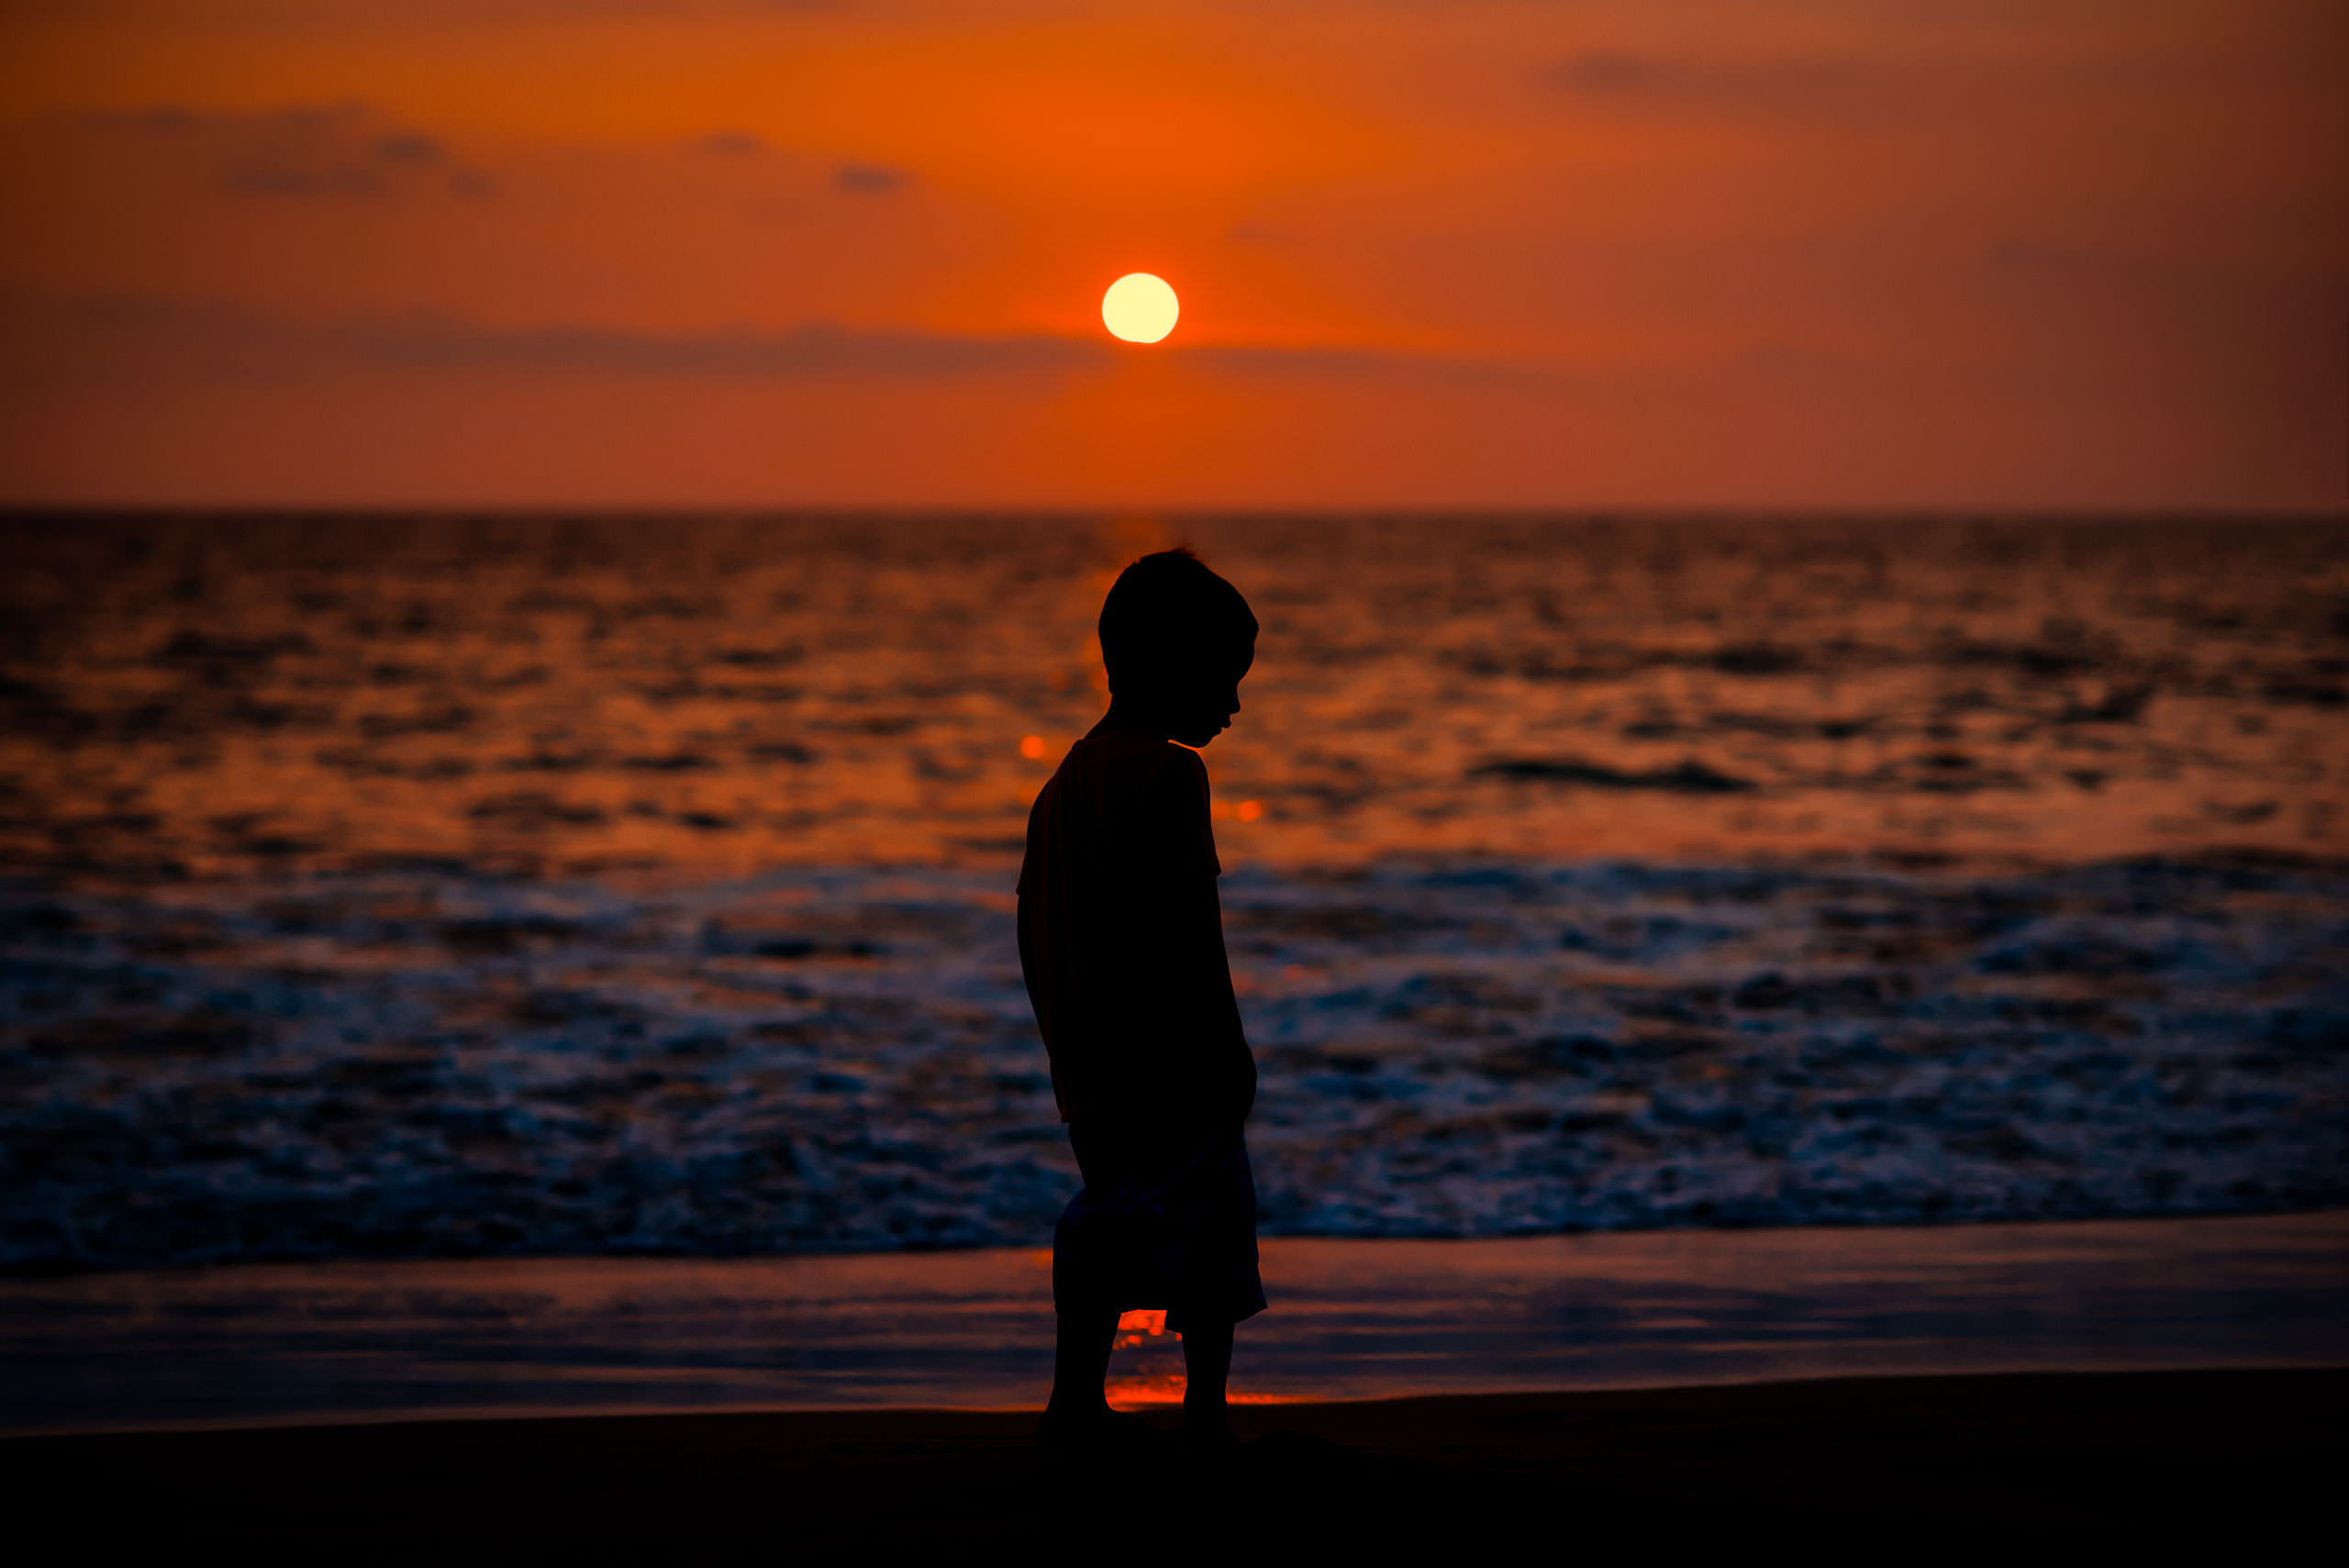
<point x="1126" y="798"/>
<point x="1125" y="776"/>
<point x="1136" y="753"/>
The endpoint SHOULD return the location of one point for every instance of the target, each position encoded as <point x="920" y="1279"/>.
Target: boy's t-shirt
<point x="1121" y="940"/>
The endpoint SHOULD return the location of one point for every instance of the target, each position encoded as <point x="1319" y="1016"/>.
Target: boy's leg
<point x="1083" y="1335"/>
<point x="1206" y="1367"/>
<point x="1081" y="1362"/>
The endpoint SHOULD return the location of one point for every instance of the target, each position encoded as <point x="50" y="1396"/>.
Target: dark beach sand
<point x="1903" y="1466"/>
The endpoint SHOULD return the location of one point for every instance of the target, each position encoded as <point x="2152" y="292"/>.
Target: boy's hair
<point x="1168" y="616"/>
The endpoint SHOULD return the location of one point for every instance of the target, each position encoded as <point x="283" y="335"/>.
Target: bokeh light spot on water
<point x="1250" y="810"/>
<point x="1033" y="747"/>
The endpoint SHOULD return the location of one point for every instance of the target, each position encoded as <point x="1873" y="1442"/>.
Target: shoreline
<point x="266" y="1347"/>
<point x="1248" y="1410"/>
<point x="2140" y="1455"/>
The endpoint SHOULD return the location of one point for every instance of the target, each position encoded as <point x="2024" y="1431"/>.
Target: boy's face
<point x="1198" y="713"/>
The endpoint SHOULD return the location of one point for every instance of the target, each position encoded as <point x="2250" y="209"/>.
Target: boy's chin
<point x="1196" y="738"/>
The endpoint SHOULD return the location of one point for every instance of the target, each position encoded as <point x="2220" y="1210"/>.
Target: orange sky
<point x="1554" y="252"/>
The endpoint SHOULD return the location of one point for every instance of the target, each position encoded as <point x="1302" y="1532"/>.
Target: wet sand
<point x="1912" y="1465"/>
<point x="510" y="1338"/>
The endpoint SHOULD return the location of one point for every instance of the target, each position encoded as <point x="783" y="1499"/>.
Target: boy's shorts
<point x="1167" y="1221"/>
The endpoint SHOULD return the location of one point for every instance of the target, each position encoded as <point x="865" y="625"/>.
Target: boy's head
<point x="1176" y="638"/>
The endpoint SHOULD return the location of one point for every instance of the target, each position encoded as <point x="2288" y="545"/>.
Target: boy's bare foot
<point x="1096" y="1429"/>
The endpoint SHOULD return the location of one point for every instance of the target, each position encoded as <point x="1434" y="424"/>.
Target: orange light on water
<point x="1134" y="1392"/>
<point x="1033" y="747"/>
<point x="1142" y="1392"/>
<point x="1147" y="1320"/>
<point x="1250" y="810"/>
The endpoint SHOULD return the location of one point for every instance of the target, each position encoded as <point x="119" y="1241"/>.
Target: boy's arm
<point x="1044" y="1001"/>
<point x="1039" y="998"/>
<point x="1224" y="1027"/>
<point x="1217" y="1048"/>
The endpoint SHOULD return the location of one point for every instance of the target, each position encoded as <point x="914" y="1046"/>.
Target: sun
<point x="1139" y="308"/>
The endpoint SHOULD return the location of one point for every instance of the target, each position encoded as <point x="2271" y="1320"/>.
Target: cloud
<point x="818" y="348"/>
<point x="1825" y="86"/>
<point x="870" y="179"/>
<point x="1339" y="363"/>
<point x="156" y="340"/>
<point x="329" y="151"/>
<point x="167" y="338"/>
<point x="1258" y="360"/>
<point x="728" y="144"/>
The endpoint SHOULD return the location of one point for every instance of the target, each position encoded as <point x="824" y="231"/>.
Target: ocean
<point x="415" y="887"/>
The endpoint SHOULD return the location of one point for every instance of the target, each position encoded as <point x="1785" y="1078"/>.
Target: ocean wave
<point x="429" y="1063"/>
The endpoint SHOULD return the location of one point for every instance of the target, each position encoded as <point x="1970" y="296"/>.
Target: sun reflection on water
<point x="1131" y="1326"/>
<point x="1162" y="1389"/>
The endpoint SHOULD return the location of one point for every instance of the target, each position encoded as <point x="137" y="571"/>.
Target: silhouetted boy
<point x="1121" y="939"/>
